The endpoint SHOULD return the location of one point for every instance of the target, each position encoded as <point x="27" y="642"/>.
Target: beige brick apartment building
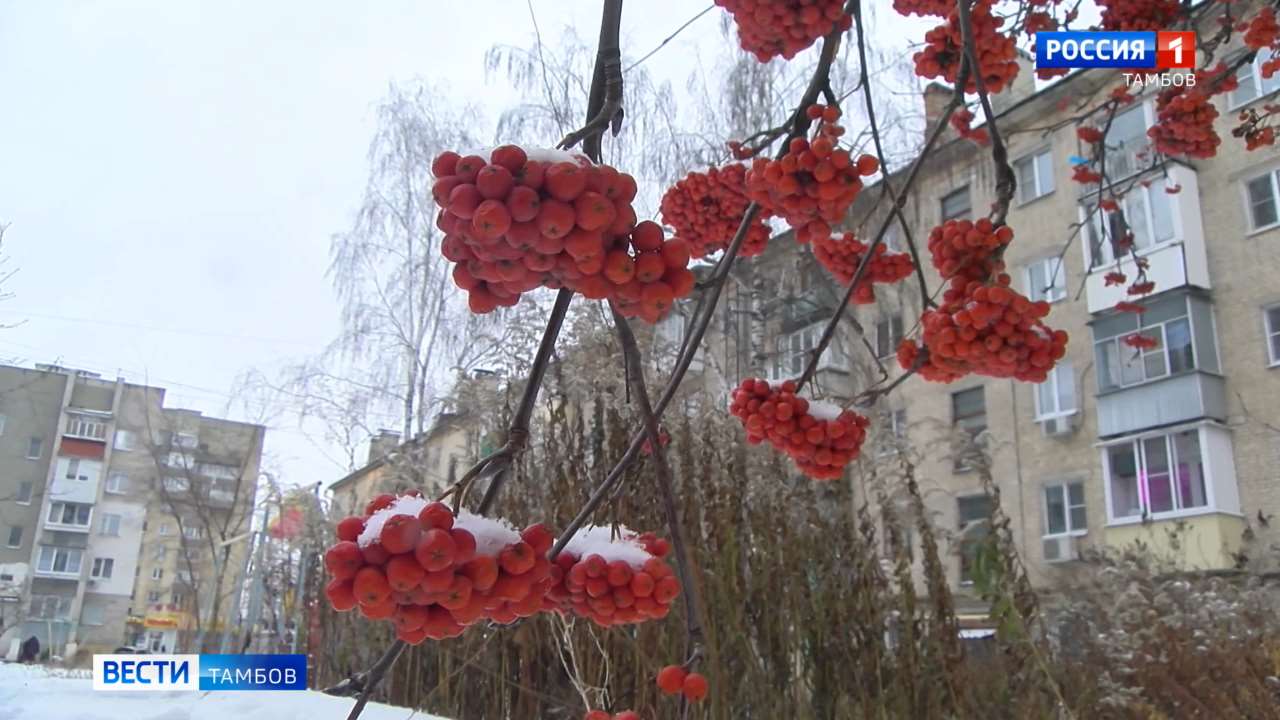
<point x="1117" y="446"/>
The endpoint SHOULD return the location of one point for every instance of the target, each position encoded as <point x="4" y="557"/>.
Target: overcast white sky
<point x="173" y="170"/>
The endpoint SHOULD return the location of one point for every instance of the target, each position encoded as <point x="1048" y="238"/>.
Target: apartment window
<point x="176" y="484"/>
<point x="791" y="353"/>
<point x="895" y="422"/>
<point x="181" y="460"/>
<point x="153" y="596"/>
<point x="956" y="204"/>
<point x="1147" y="215"/>
<point x="1252" y="85"/>
<point x="110" y="524"/>
<point x="65" y="513"/>
<point x="24" y="493"/>
<point x="178" y="599"/>
<point x="157" y="573"/>
<point x="1128" y="146"/>
<point x="969" y="410"/>
<point x="1272" y="317"/>
<point x="888" y="335"/>
<point x="159" y="552"/>
<point x="82" y="426"/>
<point x="973" y="513"/>
<point x="184" y="440"/>
<point x="3" y="420"/>
<point x="192" y="532"/>
<point x="1035" y="175"/>
<point x="1056" y="396"/>
<point x="117" y="483"/>
<point x="73" y="469"/>
<point x="1120" y="365"/>
<point x="102" y="568"/>
<point x="165" y="528"/>
<point x="50" y="607"/>
<point x="1262" y="192"/>
<point x="126" y="440"/>
<point x="54" y="559"/>
<point x="1153" y="476"/>
<point x="1064" y="510"/>
<point x="15" y="537"/>
<point x="1047" y="280"/>
<point x="34" y="446"/>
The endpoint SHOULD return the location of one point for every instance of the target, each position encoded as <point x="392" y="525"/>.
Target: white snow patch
<point x="824" y="411"/>
<point x="600" y="540"/>
<point x="32" y="692"/>
<point x="492" y="534"/>
<point x="404" y="505"/>
<point x="546" y="155"/>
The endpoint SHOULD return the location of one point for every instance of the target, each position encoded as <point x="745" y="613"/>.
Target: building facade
<point x="88" y="489"/>
<point x="1173" y="446"/>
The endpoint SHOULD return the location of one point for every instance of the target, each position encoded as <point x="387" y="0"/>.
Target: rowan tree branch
<point x="361" y="685"/>
<point x="1006" y="181"/>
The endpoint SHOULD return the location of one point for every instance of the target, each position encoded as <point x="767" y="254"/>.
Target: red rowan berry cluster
<point x="705" y="209"/>
<point x="813" y="185"/>
<point x="841" y="255"/>
<point x="614" y="580"/>
<point x="432" y="573"/>
<point x="1089" y="134"/>
<point x="962" y="121"/>
<point x="515" y="222"/>
<point x="602" y="715"/>
<point x="821" y="439"/>
<point x="1262" y="31"/>
<point x="675" y="680"/>
<point x="943" y="50"/>
<point x="1138" y="14"/>
<point x="941" y="8"/>
<point x="986" y="328"/>
<point x="773" y="28"/>
<point x="1184" y="123"/>
<point x="1138" y="341"/>
<point x="968" y="249"/>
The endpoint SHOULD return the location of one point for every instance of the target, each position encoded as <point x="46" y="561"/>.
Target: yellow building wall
<point x="1201" y="542"/>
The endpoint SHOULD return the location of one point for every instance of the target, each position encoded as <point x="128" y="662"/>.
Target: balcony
<point x="85" y="426"/>
<point x="1166" y="401"/>
<point x="1170" y="236"/>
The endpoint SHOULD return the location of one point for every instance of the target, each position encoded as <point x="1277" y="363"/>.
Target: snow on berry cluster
<point x="614" y="577"/>
<point x="841" y="255"/>
<point x="675" y="680"/>
<point x="524" y="219"/>
<point x="773" y="28"/>
<point x="997" y="53"/>
<point x="941" y="8"/>
<point x="969" y="249"/>
<point x="1139" y="14"/>
<point x="705" y="209"/>
<point x="433" y="573"/>
<point x="815" y="182"/>
<point x="821" y="438"/>
<point x="985" y="328"/>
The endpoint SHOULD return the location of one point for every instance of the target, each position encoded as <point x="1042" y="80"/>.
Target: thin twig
<point x="362" y="684"/>
<point x="669" y="38"/>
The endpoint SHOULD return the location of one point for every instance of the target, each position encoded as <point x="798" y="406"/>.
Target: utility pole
<point x="238" y="593"/>
<point x="255" y="591"/>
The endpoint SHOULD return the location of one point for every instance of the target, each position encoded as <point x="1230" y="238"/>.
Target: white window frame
<point x="38" y="444"/>
<point x="942" y="204"/>
<point x="1138" y="446"/>
<point x="1255" y="79"/>
<point x="153" y="596"/>
<point x="176" y="484"/>
<point x="892" y="339"/>
<point x="1052" y="268"/>
<point x="1143" y="354"/>
<point x="791" y="350"/>
<point x="85" y="427"/>
<point x="1043" y="185"/>
<point x="157" y="573"/>
<point x="1273" y="175"/>
<point x="59" y="508"/>
<point x="1105" y="247"/>
<point x="110" y="524"/>
<point x="1054" y="380"/>
<point x="192" y="532"/>
<point x="102" y="568"/>
<point x="188" y="441"/>
<point x="1271" y="334"/>
<point x="125" y="440"/>
<point x="895" y="422"/>
<point x="51" y="553"/>
<point x="1064" y="489"/>
<point x="117" y="483"/>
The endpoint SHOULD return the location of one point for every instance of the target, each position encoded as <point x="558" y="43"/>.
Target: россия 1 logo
<point x="1161" y="50"/>
<point x="167" y="673"/>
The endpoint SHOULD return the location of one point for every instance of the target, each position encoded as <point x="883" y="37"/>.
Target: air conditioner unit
<point x="1059" y="426"/>
<point x="1061" y="549"/>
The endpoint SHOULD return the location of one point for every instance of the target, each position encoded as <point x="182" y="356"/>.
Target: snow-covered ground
<point x="29" y="692"/>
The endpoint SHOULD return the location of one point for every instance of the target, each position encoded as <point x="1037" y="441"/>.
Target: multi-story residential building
<point x="88" y="478"/>
<point x="1173" y="446"/>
